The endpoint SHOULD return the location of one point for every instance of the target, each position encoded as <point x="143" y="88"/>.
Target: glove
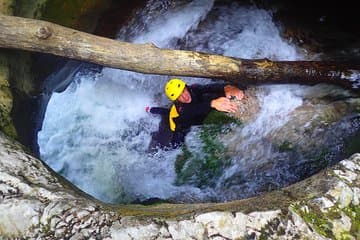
<point x="147" y="109"/>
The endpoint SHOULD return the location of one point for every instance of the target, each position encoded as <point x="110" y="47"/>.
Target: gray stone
<point x="356" y="198"/>
<point x="224" y="224"/>
<point x="341" y="225"/>
<point x="342" y="194"/>
<point x="36" y="204"/>
<point x="186" y="230"/>
<point x="140" y="232"/>
<point x="324" y="203"/>
<point x="18" y="216"/>
<point x="351" y="165"/>
<point x="346" y="175"/>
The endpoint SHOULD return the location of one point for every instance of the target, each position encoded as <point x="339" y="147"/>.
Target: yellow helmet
<point x="174" y="87"/>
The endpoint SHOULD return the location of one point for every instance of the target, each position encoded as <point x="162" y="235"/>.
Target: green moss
<point x="45" y="228"/>
<point x="321" y="159"/>
<point x="346" y="236"/>
<point x="202" y="168"/>
<point x="29" y="9"/>
<point x="216" y="117"/>
<point x="322" y="221"/>
<point x="10" y="130"/>
<point x="78" y="14"/>
<point x="181" y="160"/>
<point x="352" y="144"/>
<point x="6" y="7"/>
<point x="6" y="99"/>
<point x="286" y="146"/>
<point x="315" y="219"/>
<point x="353" y="212"/>
<point x="357" y="109"/>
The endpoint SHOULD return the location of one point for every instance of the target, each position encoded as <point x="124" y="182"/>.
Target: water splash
<point x="241" y="31"/>
<point x="166" y="29"/>
<point x="96" y="132"/>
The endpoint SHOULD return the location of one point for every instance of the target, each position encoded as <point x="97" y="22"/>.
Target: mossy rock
<point x="353" y="212"/>
<point x="78" y="14"/>
<point x="352" y="145"/>
<point x="318" y="221"/>
<point x="219" y="118"/>
<point x="6" y="6"/>
<point x="203" y="166"/>
<point x="6" y="100"/>
<point x="323" y="221"/>
<point x="26" y="70"/>
<point x="286" y="146"/>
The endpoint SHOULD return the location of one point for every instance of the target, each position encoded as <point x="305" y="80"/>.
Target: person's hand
<point x="147" y="109"/>
<point x="223" y="104"/>
<point x="231" y="91"/>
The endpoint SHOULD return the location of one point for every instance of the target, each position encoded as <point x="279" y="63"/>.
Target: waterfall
<point x="96" y="132"/>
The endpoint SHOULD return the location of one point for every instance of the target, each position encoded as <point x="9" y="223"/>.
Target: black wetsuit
<point x="195" y="112"/>
<point x="190" y="114"/>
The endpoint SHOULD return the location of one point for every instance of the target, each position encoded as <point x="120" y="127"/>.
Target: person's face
<point x="185" y="96"/>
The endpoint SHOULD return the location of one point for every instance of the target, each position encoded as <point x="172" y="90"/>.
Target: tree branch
<point x="46" y="37"/>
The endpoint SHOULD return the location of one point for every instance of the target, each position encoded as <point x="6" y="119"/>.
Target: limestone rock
<point x="186" y="230"/>
<point x="35" y="203"/>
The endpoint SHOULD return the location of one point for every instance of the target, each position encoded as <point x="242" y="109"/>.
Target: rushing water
<point x="96" y="132"/>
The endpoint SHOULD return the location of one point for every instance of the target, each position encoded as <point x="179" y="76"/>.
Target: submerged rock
<point x="265" y="146"/>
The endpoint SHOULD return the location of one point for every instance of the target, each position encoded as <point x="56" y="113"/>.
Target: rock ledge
<point x="35" y="203"/>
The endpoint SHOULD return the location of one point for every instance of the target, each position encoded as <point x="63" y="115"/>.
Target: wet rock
<point x="6" y="99"/>
<point x="223" y="224"/>
<point x="139" y="232"/>
<point x="36" y="204"/>
<point x="356" y="198"/>
<point x="20" y="216"/>
<point x="27" y="69"/>
<point x="248" y="107"/>
<point x="324" y="204"/>
<point x="342" y="194"/>
<point x="342" y="225"/>
<point x="186" y="229"/>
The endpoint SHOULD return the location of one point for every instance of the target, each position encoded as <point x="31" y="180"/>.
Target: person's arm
<point x="210" y="88"/>
<point x="157" y="110"/>
<point x="224" y="104"/>
<point x="222" y="90"/>
<point x="220" y="103"/>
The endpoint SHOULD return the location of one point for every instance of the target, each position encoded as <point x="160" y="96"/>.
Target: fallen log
<point x="46" y="37"/>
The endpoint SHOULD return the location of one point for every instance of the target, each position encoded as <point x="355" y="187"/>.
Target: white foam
<point x="175" y="23"/>
<point x="96" y="132"/>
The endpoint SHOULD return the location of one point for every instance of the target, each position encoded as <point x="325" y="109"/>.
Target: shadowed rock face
<point x="36" y="203"/>
<point x="327" y="30"/>
<point x="6" y="99"/>
<point x="26" y="72"/>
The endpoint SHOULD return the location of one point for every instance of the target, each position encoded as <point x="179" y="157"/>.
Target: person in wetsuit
<point x="191" y="105"/>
